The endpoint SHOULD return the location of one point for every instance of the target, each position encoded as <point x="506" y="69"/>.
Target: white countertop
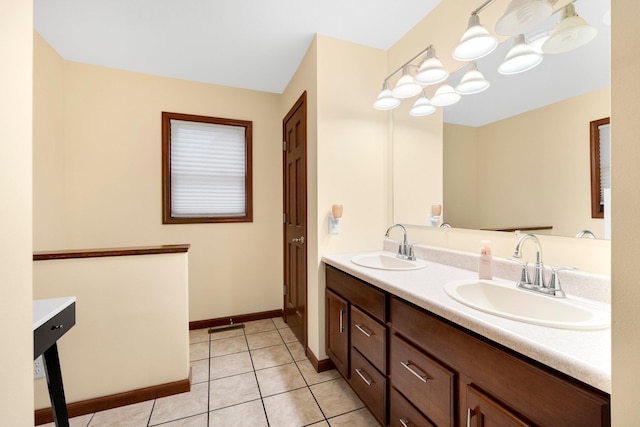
<point x="45" y="309"/>
<point x="584" y="355"/>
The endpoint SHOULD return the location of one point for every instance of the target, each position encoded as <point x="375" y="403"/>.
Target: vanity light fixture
<point x="521" y="57"/>
<point x="522" y="15"/>
<point x="571" y="32"/>
<point x="406" y="87"/>
<point x="431" y="71"/>
<point x="385" y="100"/>
<point x="536" y="40"/>
<point x="476" y="42"/>
<point x="422" y="107"/>
<point x="472" y="82"/>
<point x="445" y="95"/>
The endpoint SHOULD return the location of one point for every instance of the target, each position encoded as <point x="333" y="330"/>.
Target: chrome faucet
<point x="405" y="249"/>
<point x="538" y="284"/>
<point x="586" y="234"/>
<point x="445" y="225"/>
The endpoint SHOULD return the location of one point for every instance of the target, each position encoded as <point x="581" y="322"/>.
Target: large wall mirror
<point x="516" y="156"/>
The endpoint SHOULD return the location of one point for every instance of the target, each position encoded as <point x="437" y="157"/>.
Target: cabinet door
<point x="483" y="411"/>
<point x="337" y="332"/>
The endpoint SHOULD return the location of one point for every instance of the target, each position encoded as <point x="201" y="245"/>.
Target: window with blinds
<point x="206" y="169"/>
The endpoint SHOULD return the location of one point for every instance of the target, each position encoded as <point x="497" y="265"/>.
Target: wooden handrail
<point x="110" y="252"/>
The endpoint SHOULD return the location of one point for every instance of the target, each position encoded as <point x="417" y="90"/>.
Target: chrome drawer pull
<point x="421" y="377"/>
<point x="341" y="322"/>
<point x="406" y="422"/>
<point x="470" y="415"/>
<point x="364" y="331"/>
<point x="367" y="381"/>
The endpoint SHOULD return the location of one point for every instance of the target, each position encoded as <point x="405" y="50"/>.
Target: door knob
<point x="298" y="240"/>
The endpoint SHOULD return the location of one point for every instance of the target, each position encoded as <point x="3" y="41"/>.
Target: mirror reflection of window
<point x="600" y="131"/>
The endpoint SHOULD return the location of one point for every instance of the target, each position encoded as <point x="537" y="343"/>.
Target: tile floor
<point x="257" y="376"/>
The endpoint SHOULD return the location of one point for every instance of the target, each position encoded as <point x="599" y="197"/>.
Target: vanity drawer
<point x="50" y="331"/>
<point x="357" y="292"/>
<point x="370" y="338"/>
<point x="403" y="414"/>
<point x="426" y="383"/>
<point x="369" y="384"/>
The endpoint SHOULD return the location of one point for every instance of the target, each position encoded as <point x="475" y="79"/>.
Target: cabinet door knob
<point x="408" y="366"/>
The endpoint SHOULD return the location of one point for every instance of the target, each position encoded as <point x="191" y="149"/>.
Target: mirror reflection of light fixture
<point x="431" y="71"/>
<point x="476" y="42"/>
<point x="537" y="40"/>
<point x="445" y="95"/>
<point x="520" y="57"/>
<point x="571" y="32"/>
<point x="422" y="107"/>
<point x="472" y="82"/>
<point x="406" y="87"/>
<point x="385" y="100"/>
<point x="523" y="15"/>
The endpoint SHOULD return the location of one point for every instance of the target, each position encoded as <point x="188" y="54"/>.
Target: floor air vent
<point x="226" y="328"/>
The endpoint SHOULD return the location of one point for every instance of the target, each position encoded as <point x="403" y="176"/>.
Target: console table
<point x="52" y="318"/>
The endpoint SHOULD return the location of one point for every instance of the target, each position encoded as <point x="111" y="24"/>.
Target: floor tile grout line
<point x="255" y="374"/>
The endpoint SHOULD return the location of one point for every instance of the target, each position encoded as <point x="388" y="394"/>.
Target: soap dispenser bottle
<point x="484" y="264"/>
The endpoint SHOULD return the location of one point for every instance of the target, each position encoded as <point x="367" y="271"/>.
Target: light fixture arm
<point x="409" y="62"/>
<point x="483" y="6"/>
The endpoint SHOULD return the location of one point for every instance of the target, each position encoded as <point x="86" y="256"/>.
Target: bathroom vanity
<point x="418" y="358"/>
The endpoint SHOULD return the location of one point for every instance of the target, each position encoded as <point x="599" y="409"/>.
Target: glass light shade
<point x="475" y="43"/>
<point x="570" y="33"/>
<point x="520" y="57"/>
<point x="522" y="15"/>
<point x="385" y="100"/>
<point x="431" y="71"/>
<point x="422" y="107"/>
<point x="445" y="95"/>
<point x="537" y="40"/>
<point x="472" y="82"/>
<point x="406" y="87"/>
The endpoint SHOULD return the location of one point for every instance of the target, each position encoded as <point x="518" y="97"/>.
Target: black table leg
<point x="56" y="390"/>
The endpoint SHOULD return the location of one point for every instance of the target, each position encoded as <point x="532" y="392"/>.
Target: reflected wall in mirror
<point x="518" y="154"/>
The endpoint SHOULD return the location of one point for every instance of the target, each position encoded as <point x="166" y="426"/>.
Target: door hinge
<point x="284" y="290"/>
<point x="284" y="145"/>
<point x="284" y="218"/>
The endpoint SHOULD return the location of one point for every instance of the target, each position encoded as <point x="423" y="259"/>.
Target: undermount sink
<point x="387" y="262"/>
<point x="505" y="300"/>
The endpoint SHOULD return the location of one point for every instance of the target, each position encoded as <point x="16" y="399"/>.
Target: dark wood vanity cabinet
<point x="363" y="329"/>
<point x="413" y="368"/>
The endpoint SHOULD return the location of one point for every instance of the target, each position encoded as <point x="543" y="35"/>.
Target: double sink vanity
<point x="424" y="342"/>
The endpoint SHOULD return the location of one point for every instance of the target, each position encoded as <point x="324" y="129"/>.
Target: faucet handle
<point x="411" y="256"/>
<point x="554" y="286"/>
<point x="524" y="274"/>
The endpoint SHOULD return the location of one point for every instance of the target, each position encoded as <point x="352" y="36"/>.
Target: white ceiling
<point x="258" y="44"/>
<point x="252" y="44"/>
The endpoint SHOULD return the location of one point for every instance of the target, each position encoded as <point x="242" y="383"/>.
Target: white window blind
<point x="605" y="159"/>
<point x="208" y="170"/>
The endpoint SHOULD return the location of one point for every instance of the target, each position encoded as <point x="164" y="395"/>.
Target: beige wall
<point x="16" y="69"/>
<point x="625" y="132"/>
<point x="531" y="169"/>
<point x="460" y="176"/>
<point x="131" y="327"/>
<point x="110" y="172"/>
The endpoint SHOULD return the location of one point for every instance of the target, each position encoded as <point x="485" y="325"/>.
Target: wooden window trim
<point x="166" y="169"/>
<point x="597" y="210"/>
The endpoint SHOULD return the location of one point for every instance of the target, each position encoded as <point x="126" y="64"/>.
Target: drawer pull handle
<point x="361" y="375"/>
<point x="470" y="414"/>
<point x="364" y="330"/>
<point x="420" y="376"/>
<point x="341" y="321"/>
<point x="54" y="327"/>
<point x="405" y="422"/>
